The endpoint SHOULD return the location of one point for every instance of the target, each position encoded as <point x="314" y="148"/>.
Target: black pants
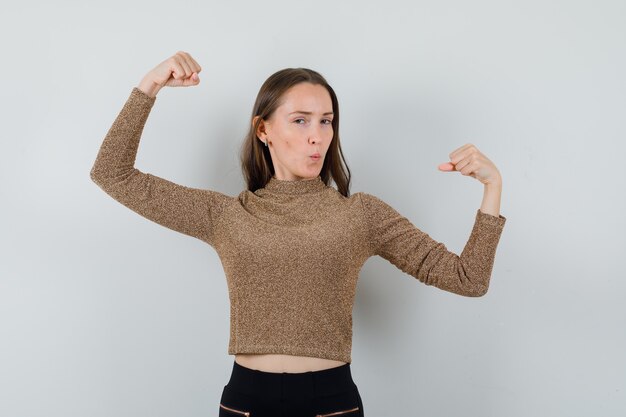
<point x="255" y="393"/>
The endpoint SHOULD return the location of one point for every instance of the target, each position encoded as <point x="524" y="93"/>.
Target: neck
<point x="302" y="186"/>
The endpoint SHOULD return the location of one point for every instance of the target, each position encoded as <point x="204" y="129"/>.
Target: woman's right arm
<point x="187" y="210"/>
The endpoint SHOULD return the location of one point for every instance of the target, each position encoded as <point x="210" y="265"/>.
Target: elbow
<point x="94" y="175"/>
<point x="476" y="287"/>
<point x="473" y="283"/>
<point x="477" y="290"/>
<point x="465" y="287"/>
<point x="98" y="178"/>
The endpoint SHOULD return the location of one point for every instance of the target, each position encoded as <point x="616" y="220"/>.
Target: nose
<point x="315" y="134"/>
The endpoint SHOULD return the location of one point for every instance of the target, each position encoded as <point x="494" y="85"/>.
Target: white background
<point x="103" y="313"/>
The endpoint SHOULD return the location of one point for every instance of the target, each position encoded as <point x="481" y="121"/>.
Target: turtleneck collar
<point x="308" y="185"/>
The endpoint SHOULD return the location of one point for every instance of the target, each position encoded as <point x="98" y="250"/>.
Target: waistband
<point x="309" y="384"/>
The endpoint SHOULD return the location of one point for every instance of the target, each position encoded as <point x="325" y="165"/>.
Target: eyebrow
<point x="308" y="112"/>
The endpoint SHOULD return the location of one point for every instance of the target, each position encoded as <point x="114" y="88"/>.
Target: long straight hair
<point x="255" y="157"/>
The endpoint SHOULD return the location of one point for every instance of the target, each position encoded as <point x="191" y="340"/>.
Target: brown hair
<point x="255" y="158"/>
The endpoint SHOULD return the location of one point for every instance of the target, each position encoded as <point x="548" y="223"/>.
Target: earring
<point x="266" y="142"/>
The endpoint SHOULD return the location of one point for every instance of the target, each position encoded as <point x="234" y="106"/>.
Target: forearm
<point x="491" y="198"/>
<point x="118" y="151"/>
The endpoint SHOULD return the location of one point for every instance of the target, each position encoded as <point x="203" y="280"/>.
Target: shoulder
<point x="220" y="200"/>
<point x="368" y="205"/>
<point x="369" y="200"/>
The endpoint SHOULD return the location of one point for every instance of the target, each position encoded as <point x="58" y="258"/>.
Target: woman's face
<point x="298" y="129"/>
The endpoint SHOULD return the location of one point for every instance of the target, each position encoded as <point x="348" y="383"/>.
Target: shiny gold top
<point x="291" y="251"/>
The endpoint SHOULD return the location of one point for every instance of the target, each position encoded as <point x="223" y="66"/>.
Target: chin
<point x="310" y="175"/>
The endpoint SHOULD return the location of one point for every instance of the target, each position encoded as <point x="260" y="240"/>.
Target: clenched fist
<point x="179" y="70"/>
<point x="470" y="161"/>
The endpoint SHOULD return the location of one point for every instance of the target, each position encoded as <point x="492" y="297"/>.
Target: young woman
<point x="292" y="245"/>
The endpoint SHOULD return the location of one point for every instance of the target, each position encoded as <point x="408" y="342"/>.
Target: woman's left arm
<point x="395" y="238"/>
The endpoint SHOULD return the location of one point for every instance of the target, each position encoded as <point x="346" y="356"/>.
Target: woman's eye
<point x="326" y="121"/>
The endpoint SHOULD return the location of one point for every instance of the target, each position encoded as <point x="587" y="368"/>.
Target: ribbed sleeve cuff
<point x="137" y="94"/>
<point x="497" y="221"/>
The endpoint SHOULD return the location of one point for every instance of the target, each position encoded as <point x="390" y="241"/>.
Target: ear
<point x="261" y="130"/>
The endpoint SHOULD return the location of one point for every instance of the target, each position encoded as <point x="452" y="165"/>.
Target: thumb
<point x="193" y="80"/>
<point x="446" y="166"/>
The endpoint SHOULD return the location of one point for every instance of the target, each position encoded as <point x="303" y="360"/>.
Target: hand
<point x="179" y="70"/>
<point x="470" y="161"/>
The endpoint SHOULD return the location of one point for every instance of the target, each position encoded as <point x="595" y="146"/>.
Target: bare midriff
<point x="285" y="363"/>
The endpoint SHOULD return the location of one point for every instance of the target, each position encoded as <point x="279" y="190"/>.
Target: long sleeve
<point x="394" y="238"/>
<point x="186" y="210"/>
